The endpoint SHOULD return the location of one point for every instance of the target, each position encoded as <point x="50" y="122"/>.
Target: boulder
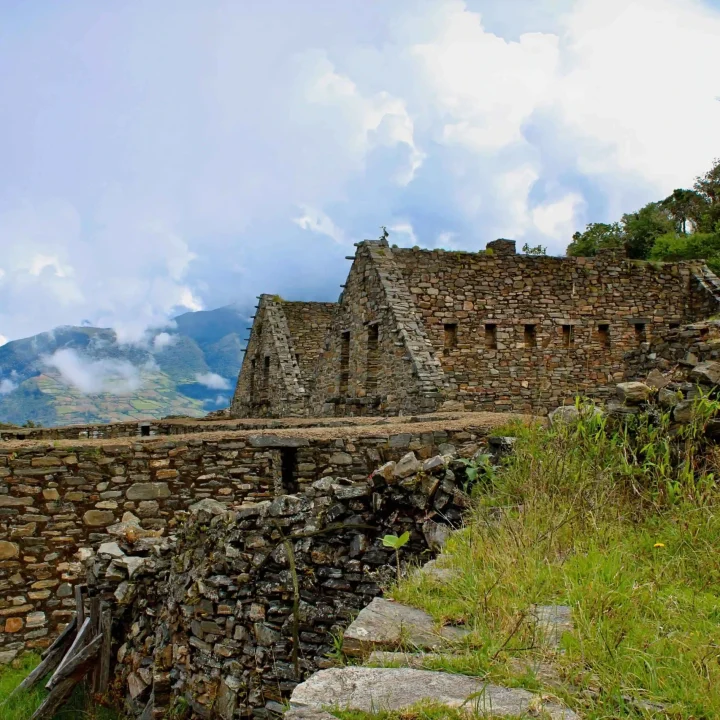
<point x="657" y="380"/>
<point x="388" y="689"/>
<point x="633" y="393"/>
<point x="669" y="398"/>
<point x="706" y="373"/>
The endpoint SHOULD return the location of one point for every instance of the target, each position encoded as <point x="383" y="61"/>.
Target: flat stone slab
<point x="378" y="689"/>
<point x="553" y="621"/>
<point x="387" y="625"/>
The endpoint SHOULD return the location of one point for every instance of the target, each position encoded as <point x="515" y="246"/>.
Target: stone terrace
<point x="60" y="500"/>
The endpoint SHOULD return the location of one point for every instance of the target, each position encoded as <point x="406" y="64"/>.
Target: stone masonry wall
<point x="308" y="323"/>
<point x="213" y="616"/>
<point x="417" y="330"/>
<point x="57" y="500"/>
<point x="394" y="373"/>
<point x="527" y="329"/>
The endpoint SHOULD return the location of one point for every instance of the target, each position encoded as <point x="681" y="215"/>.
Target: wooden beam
<point x="79" y="605"/>
<point x="62" y="691"/>
<point x="60" y="639"/>
<point x="78" y="660"/>
<point x="78" y="642"/>
<point x="55" y="654"/>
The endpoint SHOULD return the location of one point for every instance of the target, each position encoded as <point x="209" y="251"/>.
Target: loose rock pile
<point x="236" y="608"/>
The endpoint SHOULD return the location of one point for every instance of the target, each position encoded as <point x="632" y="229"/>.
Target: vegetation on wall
<point x="683" y="226"/>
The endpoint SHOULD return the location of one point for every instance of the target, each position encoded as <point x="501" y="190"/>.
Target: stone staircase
<point x="389" y="633"/>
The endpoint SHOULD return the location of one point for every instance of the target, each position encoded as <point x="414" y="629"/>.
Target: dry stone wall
<point x="377" y="359"/>
<point x="238" y="608"/>
<point x="529" y="332"/>
<point x="59" y="502"/>
<point x="276" y="375"/>
<point x="417" y="330"/>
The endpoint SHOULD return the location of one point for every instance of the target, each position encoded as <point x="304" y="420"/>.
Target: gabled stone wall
<point x="407" y="378"/>
<point x="492" y="330"/>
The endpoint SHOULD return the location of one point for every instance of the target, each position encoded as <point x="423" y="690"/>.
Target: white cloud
<point x="459" y="123"/>
<point x="318" y="222"/>
<point x="7" y="386"/>
<point x="558" y="219"/>
<point x="221" y="400"/>
<point x="117" y="377"/>
<point x="406" y="229"/>
<point x="213" y="381"/>
<point x="3" y="340"/>
<point x="163" y="340"/>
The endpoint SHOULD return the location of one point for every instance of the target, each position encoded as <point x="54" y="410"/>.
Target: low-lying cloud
<point x="213" y="381"/>
<point x="7" y="386"/>
<point x="163" y="340"/>
<point x="116" y="377"/>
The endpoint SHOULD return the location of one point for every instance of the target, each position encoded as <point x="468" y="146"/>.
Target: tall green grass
<point x="22" y="705"/>
<point x="619" y="522"/>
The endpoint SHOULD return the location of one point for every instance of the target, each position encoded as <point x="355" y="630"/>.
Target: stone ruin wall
<point x="58" y="499"/>
<point x="280" y="357"/>
<point x="565" y="299"/>
<point x="391" y="373"/>
<point x="676" y="352"/>
<point x="212" y="616"/>
<point x="494" y="330"/>
<point x="308" y="323"/>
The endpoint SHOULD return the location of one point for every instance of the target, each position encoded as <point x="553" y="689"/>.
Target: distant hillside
<point x="82" y="375"/>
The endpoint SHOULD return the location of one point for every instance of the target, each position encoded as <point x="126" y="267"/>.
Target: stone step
<point x="388" y="689"/>
<point x="387" y="625"/>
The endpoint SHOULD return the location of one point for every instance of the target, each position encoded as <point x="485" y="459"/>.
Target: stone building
<point x="420" y="330"/>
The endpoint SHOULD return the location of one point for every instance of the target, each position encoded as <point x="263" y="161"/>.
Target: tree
<point x="642" y="228"/>
<point x="597" y="236"/>
<point x="696" y="246"/>
<point x="684" y="205"/>
<point x="707" y="186"/>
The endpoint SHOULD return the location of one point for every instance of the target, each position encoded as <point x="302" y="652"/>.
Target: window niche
<point x="450" y="339"/>
<point x="373" y="358"/>
<point x="530" y="336"/>
<point x="344" y="362"/>
<point x="603" y="335"/>
<point x="491" y="336"/>
<point x="568" y="335"/>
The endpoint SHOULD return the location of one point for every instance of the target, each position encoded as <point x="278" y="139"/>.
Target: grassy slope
<point x="588" y="519"/>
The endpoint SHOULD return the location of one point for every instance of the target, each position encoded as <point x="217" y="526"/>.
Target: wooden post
<point x="79" y="606"/>
<point x="105" y="651"/>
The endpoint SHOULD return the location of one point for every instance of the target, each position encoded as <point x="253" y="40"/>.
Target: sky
<point x="158" y="157"/>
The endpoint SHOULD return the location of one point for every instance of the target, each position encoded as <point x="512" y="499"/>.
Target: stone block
<point x="706" y="373"/>
<point x="406" y="466"/>
<point x="8" y="550"/>
<point x="148" y="491"/>
<point x="98" y="518"/>
<point x="633" y="393"/>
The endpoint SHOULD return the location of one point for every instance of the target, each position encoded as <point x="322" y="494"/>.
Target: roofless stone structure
<point x="418" y="330"/>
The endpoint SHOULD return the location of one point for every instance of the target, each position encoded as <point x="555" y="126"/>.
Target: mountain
<point x="73" y="375"/>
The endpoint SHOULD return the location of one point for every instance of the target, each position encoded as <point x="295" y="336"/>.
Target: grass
<point x="621" y="525"/>
<point x="23" y="705"/>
